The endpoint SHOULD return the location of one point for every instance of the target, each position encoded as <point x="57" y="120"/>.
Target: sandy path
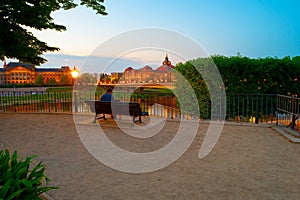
<point x="248" y="162"/>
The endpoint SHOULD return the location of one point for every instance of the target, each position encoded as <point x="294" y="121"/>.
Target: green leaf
<point x="5" y="189"/>
<point x="27" y="183"/>
<point x="15" y="194"/>
<point x="45" y="189"/>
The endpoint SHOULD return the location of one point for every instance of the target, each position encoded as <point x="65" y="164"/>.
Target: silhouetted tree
<point x="18" y="15"/>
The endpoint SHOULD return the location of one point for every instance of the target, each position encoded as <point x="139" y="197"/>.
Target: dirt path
<point x="248" y="162"/>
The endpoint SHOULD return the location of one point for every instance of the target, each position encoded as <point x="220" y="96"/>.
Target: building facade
<point x="163" y="74"/>
<point x="23" y="73"/>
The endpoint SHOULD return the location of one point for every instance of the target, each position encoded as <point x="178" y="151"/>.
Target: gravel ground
<point x="248" y="162"/>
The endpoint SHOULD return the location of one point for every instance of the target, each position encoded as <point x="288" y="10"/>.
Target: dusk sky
<point x="254" y="28"/>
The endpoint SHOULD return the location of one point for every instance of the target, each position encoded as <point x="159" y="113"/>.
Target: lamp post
<point x="74" y="74"/>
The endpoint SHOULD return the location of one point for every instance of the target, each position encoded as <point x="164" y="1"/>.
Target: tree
<point x="17" y="15"/>
<point x="191" y="76"/>
<point x="86" y="79"/>
<point x="241" y="75"/>
<point x="39" y="80"/>
<point x="52" y="81"/>
<point x="65" y="80"/>
<point x="261" y="75"/>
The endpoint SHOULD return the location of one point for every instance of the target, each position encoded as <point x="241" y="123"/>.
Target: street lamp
<point x="74" y="73"/>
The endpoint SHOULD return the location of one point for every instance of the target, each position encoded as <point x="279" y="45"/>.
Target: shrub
<point x="20" y="181"/>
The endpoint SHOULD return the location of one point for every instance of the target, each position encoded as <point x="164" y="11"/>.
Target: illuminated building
<point x="163" y="73"/>
<point x="23" y="73"/>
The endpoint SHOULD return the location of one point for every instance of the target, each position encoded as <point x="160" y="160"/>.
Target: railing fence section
<point x="288" y="110"/>
<point x="254" y="108"/>
<point x="35" y="101"/>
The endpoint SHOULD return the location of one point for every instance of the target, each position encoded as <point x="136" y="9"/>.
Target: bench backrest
<point x="116" y="108"/>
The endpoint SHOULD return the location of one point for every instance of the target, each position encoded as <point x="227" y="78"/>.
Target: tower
<point x="166" y="61"/>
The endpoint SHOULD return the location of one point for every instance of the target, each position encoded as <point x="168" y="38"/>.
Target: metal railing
<point x="35" y="101"/>
<point x="255" y="108"/>
<point x="156" y="104"/>
<point x="67" y="101"/>
<point x="288" y="110"/>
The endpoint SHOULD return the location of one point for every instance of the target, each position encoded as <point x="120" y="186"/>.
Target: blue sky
<point x="254" y="28"/>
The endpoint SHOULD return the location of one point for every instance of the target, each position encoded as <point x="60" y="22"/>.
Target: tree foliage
<point x="39" y="80"/>
<point x="248" y="75"/>
<point x="17" y="15"/>
<point x="240" y="75"/>
<point x="65" y="80"/>
<point x="191" y="79"/>
<point x="260" y="75"/>
<point x="52" y="82"/>
<point x="86" y="79"/>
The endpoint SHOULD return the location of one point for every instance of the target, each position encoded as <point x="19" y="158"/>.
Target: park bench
<point x="115" y="108"/>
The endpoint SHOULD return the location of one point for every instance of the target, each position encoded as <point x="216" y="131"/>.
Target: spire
<point x="166" y="61"/>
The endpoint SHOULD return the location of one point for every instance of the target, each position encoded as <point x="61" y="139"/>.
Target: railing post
<point x="277" y="102"/>
<point x="15" y="102"/>
<point x="293" y="121"/>
<point x="75" y="102"/>
<point x="48" y="101"/>
<point x="256" y="114"/>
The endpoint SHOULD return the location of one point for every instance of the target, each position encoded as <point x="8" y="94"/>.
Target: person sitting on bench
<point x="107" y="97"/>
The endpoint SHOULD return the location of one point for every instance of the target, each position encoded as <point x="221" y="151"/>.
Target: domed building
<point x="147" y="69"/>
<point x="164" y="72"/>
<point x="166" y="65"/>
<point x="147" y="75"/>
<point x="128" y="75"/>
<point x="128" y="69"/>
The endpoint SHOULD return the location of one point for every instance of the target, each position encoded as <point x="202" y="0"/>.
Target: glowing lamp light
<point x="74" y="72"/>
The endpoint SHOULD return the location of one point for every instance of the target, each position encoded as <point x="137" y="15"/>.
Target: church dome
<point x="128" y="69"/>
<point x="163" y="68"/>
<point x="147" y="68"/>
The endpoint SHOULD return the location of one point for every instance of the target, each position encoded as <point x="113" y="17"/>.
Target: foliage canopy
<point x="241" y="75"/>
<point x="17" y="15"/>
<point x="260" y="75"/>
<point x="248" y="75"/>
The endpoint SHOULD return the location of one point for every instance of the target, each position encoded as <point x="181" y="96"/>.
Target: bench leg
<point x="133" y="121"/>
<point x="95" y="119"/>
<point x="139" y="120"/>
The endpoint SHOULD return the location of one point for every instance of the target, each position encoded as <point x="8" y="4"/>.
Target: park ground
<point x="248" y="162"/>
